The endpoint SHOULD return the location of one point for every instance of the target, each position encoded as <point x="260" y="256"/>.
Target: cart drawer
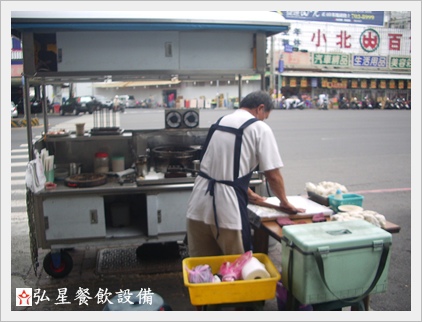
<point x="74" y="217"/>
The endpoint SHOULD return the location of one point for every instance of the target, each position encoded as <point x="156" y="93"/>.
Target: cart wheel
<point x="63" y="268"/>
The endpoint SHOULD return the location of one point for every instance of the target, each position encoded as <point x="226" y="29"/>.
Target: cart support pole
<point x="27" y="112"/>
<point x="240" y="89"/>
<point x="45" y="108"/>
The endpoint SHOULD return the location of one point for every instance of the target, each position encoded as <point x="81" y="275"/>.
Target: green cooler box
<point x="329" y="261"/>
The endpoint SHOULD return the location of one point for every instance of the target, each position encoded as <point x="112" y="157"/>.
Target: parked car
<point x="80" y="104"/>
<point x="35" y="104"/>
<point x="128" y="100"/>
<point x="14" y="110"/>
<point x="105" y="102"/>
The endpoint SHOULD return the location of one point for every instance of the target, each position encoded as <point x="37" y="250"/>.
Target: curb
<point x="16" y="123"/>
<point x="20" y="123"/>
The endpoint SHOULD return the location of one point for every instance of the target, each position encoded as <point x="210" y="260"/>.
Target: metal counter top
<point x="113" y="187"/>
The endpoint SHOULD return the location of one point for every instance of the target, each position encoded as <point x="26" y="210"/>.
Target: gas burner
<point x="175" y="168"/>
<point x="175" y="171"/>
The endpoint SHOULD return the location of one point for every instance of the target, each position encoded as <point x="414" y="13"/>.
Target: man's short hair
<point x="254" y="99"/>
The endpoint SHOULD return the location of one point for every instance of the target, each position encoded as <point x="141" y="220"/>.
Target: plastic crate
<point x="318" y="198"/>
<point x="348" y="199"/>
<point x="230" y="292"/>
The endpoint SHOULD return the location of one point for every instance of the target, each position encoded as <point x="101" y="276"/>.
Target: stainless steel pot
<point x="165" y="156"/>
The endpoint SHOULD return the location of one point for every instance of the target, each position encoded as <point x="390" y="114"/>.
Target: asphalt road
<point x="370" y="152"/>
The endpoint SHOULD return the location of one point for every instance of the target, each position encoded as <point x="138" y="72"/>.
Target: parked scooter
<point x="378" y="105"/>
<point x="367" y="104"/>
<point x="297" y="105"/>
<point x="389" y="104"/>
<point x="402" y="104"/>
<point x="323" y="105"/>
<point x="406" y="104"/>
<point x="355" y="104"/>
<point x="344" y="104"/>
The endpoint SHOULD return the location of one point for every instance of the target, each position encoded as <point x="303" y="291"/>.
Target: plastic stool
<point x="157" y="303"/>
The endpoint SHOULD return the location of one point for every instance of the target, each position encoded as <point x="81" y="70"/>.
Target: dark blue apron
<point x="240" y="185"/>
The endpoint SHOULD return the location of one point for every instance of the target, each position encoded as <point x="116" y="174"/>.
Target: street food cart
<point x="91" y="208"/>
<point x="124" y="208"/>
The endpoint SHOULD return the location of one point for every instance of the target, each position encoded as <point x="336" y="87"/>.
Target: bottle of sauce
<point x="101" y="162"/>
<point x="338" y="195"/>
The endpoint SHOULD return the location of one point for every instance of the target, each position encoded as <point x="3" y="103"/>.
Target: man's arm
<point x="276" y="182"/>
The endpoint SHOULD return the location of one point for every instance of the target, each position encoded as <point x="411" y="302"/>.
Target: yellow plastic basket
<point x="230" y="292"/>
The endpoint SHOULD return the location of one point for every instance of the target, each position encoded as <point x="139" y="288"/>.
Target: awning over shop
<point x="134" y="84"/>
<point x="344" y="75"/>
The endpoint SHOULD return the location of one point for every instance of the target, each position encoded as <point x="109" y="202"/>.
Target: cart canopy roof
<point x="48" y="21"/>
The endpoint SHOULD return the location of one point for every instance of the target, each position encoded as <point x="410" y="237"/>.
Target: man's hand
<point x="290" y="209"/>
<point x="254" y="197"/>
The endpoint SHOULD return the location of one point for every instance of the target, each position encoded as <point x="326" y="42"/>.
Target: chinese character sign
<point x="351" y="39"/>
<point x="350" y="17"/>
<point x="370" y="61"/>
<point x="400" y="62"/>
<point x="330" y="59"/>
<point x="29" y="297"/>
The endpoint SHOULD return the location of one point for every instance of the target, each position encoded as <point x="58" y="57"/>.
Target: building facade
<point x="342" y="54"/>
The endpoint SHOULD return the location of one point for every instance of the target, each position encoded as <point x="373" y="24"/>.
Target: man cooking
<point x="217" y="217"/>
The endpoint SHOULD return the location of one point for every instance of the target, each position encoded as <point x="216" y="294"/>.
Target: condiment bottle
<point x="338" y="195"/>
<point x="101" y="162"/>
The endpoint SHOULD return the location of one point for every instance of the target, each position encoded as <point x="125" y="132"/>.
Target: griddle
<point x="86" y="180"/>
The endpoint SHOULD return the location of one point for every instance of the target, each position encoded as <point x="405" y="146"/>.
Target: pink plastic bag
<point x="200" y="274"/>
<point x="233" y="271"/>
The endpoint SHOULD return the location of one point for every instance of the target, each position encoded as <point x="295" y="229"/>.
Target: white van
<point x="127" y="100"/>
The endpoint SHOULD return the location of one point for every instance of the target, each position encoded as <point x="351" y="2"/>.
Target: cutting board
<point x="269" y="210"/>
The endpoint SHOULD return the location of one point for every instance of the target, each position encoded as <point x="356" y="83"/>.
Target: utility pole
<point x="272" y="86"/>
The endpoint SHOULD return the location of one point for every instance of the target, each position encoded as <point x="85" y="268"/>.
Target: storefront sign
<point x="353" y="39"/>
<point x="373" y="83"/>
<point x="304" y="82"/>
<point x="293" y="82"/>
<point x="350" y="17"/>
<point x="383" y="84"/>
<point x="297" y="60"/>
<point x="339" y="84"/>
<point x="17" y="70"/>
<point x="401" y="84"/>
<point x="370" y="61"/>
<point x="335" y="60"/>
<point x="409" y="84"/>
<point x="392" y="84"/>
<point x="363" y="83"/>
<point x="280" y="66"/>
<point x="354" y="83"/>
<point x="288" y="48"/>
<point x="314" y="82"/>
<point x="400" y="62"/>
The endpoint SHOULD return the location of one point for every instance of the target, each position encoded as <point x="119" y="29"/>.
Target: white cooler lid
<point x="335" y="235"/>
